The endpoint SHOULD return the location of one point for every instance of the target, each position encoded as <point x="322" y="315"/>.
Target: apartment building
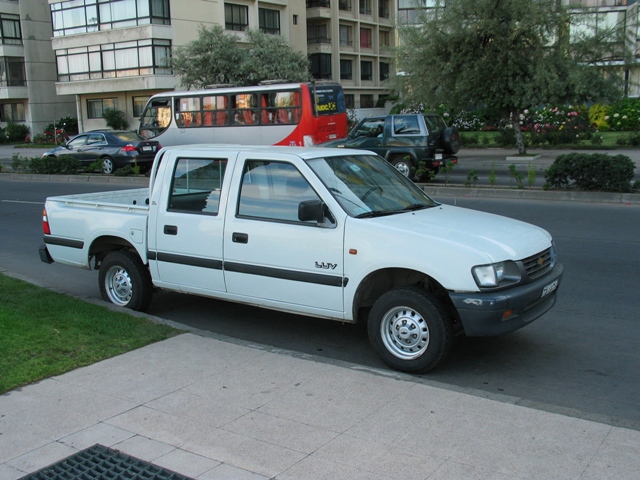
<point x="28" y="67"/>
<point x="115" y="53"/>
<point x="351" y="41"/>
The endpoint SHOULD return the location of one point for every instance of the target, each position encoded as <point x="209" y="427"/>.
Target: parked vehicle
<point x="308" y="231"/>
<point x="413" y="143"/>
<point x="114" y="148"/>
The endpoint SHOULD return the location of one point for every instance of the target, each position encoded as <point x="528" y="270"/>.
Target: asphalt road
<point x="580" y="359"/>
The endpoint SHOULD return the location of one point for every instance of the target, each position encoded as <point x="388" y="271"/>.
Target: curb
<point x="435" y="190"/>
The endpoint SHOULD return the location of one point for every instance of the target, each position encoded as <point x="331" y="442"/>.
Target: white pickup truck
<point x="332" y="233"/>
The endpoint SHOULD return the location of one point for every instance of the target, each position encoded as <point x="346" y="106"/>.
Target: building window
<point x="365" y="38"/>
<point x="318" y="3"/>
<point x="138" y="105"/>
<point x="346" y="67"/>
<point x="12" y="112"/>
<point x="83" y="16"/>
<point x="344" y="5"/>
<point x="384" y="71"/>
<point x="320" y="65"/>
<point x="366" y="101"/>
<point x="365" y="7"/>
<point x="269" y="21"/>
<point x="10" y="29"/>
<point x="366" y="71"/>
<point x="385" y="38"/>
<point x="383" y="8"/>
<point x="12" y="73"/>
<point x="236" y="17"/>
<point x="349" y="100"/>
<point x="114" y="60"/>
<point x="318" y="33"/>
<point x="97" y="106"/>
<point x="346" y="37"/>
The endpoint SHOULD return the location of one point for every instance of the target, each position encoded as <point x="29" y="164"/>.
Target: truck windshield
<point x="368" y="186"/>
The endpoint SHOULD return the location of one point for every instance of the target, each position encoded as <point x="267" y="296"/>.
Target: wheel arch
<point x="376" y="283"/>
<point x="392" y="154"/>
<point x="103" y="245"/>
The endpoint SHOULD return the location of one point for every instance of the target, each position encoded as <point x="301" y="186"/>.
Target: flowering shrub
<point x="624" y="116"/>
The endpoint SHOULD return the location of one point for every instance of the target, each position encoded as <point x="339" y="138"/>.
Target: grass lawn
<point x="43" y="333"/>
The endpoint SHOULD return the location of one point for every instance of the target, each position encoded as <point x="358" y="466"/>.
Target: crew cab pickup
<point x="416" y="144"/>
<point x="332" y="233"/>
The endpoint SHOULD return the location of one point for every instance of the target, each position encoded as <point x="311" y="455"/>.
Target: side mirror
<point x="311" y="210"/>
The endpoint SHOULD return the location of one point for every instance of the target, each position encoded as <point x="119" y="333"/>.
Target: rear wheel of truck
<point x="125" y="281"/>
<point x="409" y="329"/>
<point x="404" y="165"/>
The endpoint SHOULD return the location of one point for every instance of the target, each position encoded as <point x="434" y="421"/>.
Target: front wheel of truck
<point x="409" y="329"/>
<point x="125" y="281"/>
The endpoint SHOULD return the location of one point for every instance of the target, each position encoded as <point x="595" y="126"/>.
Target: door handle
<point x="240" y="237"/>
<point x="170" y="230"/>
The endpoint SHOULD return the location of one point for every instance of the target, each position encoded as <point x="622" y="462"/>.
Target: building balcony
<point x="318" y="9"/>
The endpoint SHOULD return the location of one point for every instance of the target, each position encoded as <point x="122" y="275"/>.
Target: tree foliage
<point x="508" y="55"/>
<point x="218" y="57"/>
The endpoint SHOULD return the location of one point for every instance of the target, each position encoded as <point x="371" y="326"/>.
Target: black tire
<point x="451" y="140"/>
<point x="108" y="165"/>
<point x="125" y="281"/>
<point x="405" y="166"/>
<point x="409" y="329"/>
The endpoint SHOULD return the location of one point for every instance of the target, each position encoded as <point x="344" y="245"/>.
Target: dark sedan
<point x="114" y="148"/>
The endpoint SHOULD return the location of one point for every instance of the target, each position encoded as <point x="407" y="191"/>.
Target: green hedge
<point x="596" y="171"/>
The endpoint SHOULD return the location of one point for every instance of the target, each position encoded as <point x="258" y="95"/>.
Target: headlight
<point x="499" y="274"/>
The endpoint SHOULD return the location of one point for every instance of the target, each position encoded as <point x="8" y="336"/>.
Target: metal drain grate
<point x="102" y="463"/>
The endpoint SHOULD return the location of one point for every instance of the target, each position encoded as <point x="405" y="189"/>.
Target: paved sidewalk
<point x="209" y="408"/>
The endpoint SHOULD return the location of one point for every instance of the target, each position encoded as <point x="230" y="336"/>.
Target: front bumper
<point x="486" y="314"/>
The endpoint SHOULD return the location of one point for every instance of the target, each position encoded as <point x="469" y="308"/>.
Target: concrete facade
<point x="32" y="100"/>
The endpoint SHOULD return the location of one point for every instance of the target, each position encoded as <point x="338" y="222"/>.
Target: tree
<point x="508" y="55"/>
<point x="115" y="119"/>
<point x="217" y="57"/>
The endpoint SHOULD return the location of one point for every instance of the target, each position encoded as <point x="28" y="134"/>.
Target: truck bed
<point x="137" y="198"/>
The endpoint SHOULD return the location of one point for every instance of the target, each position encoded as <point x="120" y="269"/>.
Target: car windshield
<point x="369" y="186"/>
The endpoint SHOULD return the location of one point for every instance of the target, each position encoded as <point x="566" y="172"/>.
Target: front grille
<point x="538" y="264"/>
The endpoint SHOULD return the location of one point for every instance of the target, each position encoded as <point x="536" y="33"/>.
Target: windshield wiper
<point x="378" y="213"/>
<point x="416" y="206"/>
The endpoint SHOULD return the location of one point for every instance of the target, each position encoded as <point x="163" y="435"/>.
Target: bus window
<point x="244" y="109"/>
<point x="288" y="107"/>
<point x="188" y="112"/>
<point x="156" y="118"/>
<point x="215" y="110"/>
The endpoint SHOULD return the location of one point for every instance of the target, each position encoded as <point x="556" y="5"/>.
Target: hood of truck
<point x="496" y="237"/>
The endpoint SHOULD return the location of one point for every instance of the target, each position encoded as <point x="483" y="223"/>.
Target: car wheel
<point x="405" y="166"/>
<point x="107" y="165"/>
<point x="451" y="140"/>
<point x="409" y="329"/>
<point x="125" y="281"/>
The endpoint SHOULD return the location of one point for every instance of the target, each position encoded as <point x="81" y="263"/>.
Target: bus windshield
<point x="156" y="118"/>
<point x="329" y="100"/>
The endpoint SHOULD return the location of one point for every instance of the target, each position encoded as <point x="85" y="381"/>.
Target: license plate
<point x="549" y="288"/>
<point x="438" y="156"/>
<point x="147" y="149"/>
